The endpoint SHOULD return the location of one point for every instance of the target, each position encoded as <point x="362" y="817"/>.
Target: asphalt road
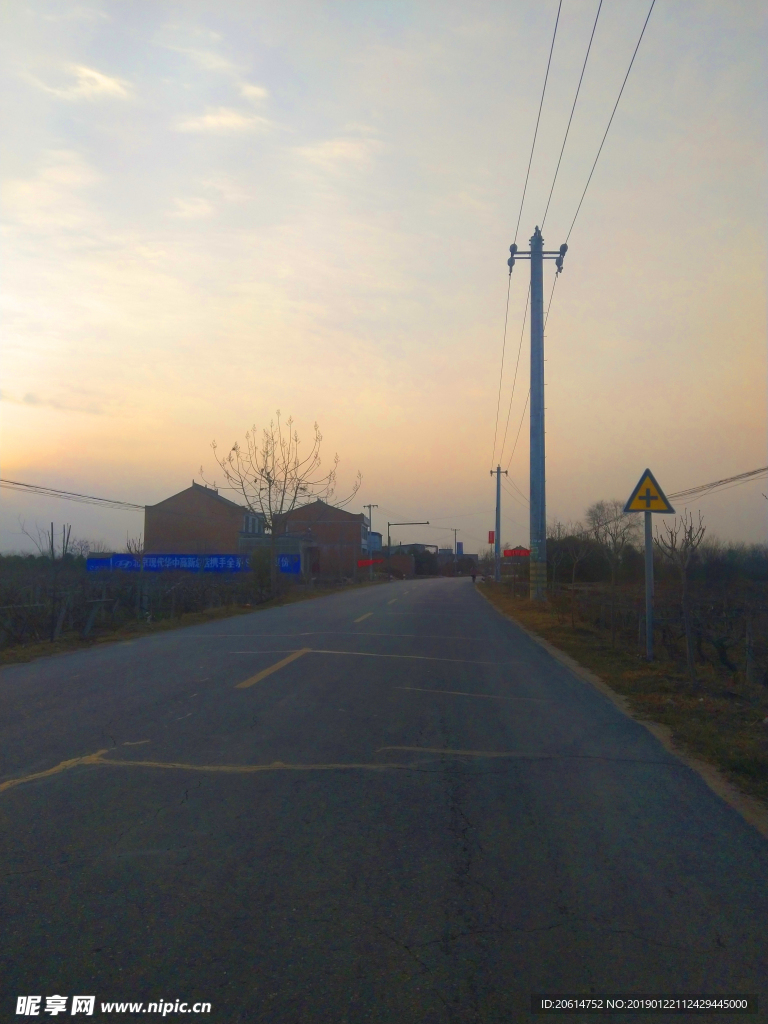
<point x="422" y="817"/>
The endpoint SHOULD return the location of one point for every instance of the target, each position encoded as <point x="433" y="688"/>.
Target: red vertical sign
<point x="491" y="536"/>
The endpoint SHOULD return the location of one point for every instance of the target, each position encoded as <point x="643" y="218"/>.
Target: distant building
<point x="413" y="549"/>
<point x="334" y="539"/>
<point x="199" y="520"/>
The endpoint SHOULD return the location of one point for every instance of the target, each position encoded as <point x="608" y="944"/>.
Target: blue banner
<point x="289" y="563"/>
<point x="171" y="563"/>
<point x="128" y="563"/>
<point x="98" y="564"/>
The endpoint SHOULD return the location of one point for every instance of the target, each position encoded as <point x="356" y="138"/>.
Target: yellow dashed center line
<point x="272" y="668"/>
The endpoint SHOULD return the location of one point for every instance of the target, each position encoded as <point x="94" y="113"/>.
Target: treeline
<point x="53" y="597"/>
<point x="714" y="562"/>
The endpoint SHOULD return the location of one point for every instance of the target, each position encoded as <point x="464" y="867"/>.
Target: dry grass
<point x="724" y="720"/>
<point x="74" y="642"/>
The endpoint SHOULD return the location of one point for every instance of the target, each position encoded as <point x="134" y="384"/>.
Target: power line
<point x="84" y="499"/>
<point x="501" y="372"/>
<point x="538" y="118"/>
<point x="523" y="496"/>
<point x="517" y="228"/>
<point x="105" y="503"/>
<point x="573" y="108"/>
<point x="551" y="296"/>
<point x="610" y="122"/>
<point x="717" y="484"/>
<point x="514" y="497"/>
<point x="519" y="428"/>
<point x="517" y="364"/>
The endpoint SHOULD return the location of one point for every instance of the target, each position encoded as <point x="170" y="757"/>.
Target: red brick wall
<point x="194" y="521"/>
<point x="336" y="537"/>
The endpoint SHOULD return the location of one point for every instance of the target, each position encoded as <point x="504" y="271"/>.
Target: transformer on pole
<point x="538" y="497"/>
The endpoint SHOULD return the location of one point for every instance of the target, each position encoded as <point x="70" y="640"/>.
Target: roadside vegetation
<point x="708" y="682"/>
<point x="53" y="604"/>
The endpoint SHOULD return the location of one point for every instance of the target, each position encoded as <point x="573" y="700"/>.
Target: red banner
<point x="517" y="553"/>
<point x="491" y="536"/>
<point x="362" y="562"/>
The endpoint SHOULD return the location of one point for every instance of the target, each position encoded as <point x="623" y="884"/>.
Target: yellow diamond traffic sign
<point x="648" y="496"/>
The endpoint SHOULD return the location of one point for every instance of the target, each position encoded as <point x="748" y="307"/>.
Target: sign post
<point x="648" y="498"/>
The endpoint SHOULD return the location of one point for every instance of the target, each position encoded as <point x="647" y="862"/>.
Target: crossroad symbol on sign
<point x="648" y="496"/>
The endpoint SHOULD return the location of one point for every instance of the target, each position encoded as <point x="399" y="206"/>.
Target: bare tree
<point x="556" y="534"/>
<point x="272" y="476"/>
<point x="577" y="544"/>
<point x="82" y="547"/>
<point x="45" y="542"/>
<point x="678" y="545"/>
<point x="613" y="529"/>
<point x="134" y="545"/>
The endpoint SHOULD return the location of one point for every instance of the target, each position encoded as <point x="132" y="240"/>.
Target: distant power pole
<point x="497" y="536"/>
<point x="370" y="529"/>
<point x="455" y="550"/>
<point x="538" y="496"/>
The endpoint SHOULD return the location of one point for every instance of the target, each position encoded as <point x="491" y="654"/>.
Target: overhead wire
<point x="511" y="494"/>
<point x="538" y="119"/>
<point x="610" y="122"/>
<point x="517" y="364"/>
<point x="573" y="108"/>
<point x="83" y="499"/>
<point x="726" y="484"/>
<point x="549" y="199"/>
<point x="520" y="427"/>
<point x="597" y="157"/>
<point x="523" y="496"/>
<point x="501" y="372"/>
<point x="517" y="229"/>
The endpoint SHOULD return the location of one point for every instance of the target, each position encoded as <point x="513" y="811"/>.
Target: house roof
<point x="210" y="493"/>
<point x="320" y="511"/>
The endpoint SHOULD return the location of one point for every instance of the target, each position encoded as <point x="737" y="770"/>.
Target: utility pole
<point x="538" y="494"/>
<point x="370" y="528"/>
<point x="497" y="536"/>
<point x="455" y="559"/>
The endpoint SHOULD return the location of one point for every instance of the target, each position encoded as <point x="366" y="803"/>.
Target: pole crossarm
<point x="544" y="254"/>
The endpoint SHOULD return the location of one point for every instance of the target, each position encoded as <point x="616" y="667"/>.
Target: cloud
<point x="31" y="399"/>
<point x="223" y="119"/>
<point x="193" y="209"/>
<point x="340" y="153"/>
<point x="253" y="92"/>
<point x="227" y="188"/>
<point x="209" y="60"/>
<point x="77" y="14"/>
<point x="51" y="198"/>
<point x="89" y="84"/>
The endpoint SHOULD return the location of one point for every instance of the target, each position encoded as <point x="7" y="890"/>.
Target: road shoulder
<point x="751" y="808"/>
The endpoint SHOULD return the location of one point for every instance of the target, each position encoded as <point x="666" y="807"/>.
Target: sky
<point x="212" y="211"/>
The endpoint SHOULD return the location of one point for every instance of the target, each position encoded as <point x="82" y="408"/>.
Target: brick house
<point x="334" y="539"/>
<point x="199" y="520"/>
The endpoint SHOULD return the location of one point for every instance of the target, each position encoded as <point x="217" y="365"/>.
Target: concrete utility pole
<point x="538" y="497"/>
<point x="370" y="528"/>
<point x="497" y="536"/>
<point x="455" y="550"/>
